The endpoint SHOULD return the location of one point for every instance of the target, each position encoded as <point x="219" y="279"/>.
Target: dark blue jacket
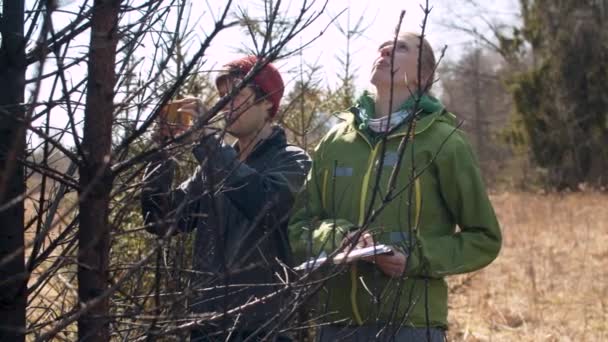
<point x="240" y="213"/>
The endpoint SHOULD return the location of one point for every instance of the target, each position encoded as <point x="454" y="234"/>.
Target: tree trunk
<point x="12" y="185"/>
<point x="95" y="175"/>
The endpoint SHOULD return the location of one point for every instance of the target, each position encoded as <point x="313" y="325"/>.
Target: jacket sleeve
<point x="311" y="231"/>
<point x="253" y="193"/>
<point x="478" y="241"/>
<point x="163" y="206"/>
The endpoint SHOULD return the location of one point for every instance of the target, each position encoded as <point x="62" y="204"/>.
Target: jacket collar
<point x="275" y="139"/>
<point x="432" y="111"/>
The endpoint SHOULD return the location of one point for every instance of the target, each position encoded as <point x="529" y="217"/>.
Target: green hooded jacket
<point x="439" y="214"/>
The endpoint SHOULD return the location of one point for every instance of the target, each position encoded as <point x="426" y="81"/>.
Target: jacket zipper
<point x="364" y="186"/>
<point x="366" y="179"/>
<point x="324" y="189"/>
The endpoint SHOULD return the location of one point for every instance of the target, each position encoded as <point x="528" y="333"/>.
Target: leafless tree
<point x="473" y="88"/>
<point x="12" y="149"/>
<point x="88" y="138"/>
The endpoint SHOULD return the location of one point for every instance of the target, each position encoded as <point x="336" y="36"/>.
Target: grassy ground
<point x="550" y="282"/>
<point x="58" y="295"/>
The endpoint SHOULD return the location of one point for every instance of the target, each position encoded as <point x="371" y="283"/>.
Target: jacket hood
<point x="275" y="139"/>
<point x="430" y="110"/>
<point x="428" y="104"/>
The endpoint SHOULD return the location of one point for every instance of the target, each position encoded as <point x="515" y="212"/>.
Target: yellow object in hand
<point x="174" y="116"/>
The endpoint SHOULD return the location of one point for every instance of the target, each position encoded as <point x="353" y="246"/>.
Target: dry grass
<point x="550" y="282"/>
<point x="58" y="295"/>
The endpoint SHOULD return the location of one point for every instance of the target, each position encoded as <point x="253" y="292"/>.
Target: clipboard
<point x="344" y="257"/>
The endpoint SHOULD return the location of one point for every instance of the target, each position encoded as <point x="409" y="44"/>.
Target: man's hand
<point x="392" y="265"/>
<point x="177" y="117"/>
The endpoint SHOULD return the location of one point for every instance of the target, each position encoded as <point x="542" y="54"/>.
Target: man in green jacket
<point x="428" y="203"/>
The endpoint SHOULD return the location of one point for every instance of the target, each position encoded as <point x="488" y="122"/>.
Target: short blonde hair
<point x="427" y="59"/>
